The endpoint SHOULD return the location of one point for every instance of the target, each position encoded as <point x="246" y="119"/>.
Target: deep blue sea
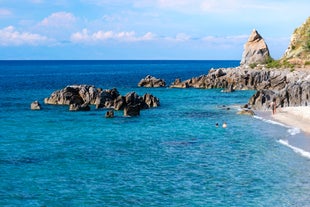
<point x="172" y="155"/>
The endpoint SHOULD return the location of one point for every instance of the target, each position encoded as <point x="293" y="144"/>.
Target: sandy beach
<point x="294" y="116"/>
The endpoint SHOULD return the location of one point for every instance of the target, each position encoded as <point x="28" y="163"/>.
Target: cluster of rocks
<point x="290" y="88"/>
<point x="150" y="81"/>
<point x="80" y="97"/>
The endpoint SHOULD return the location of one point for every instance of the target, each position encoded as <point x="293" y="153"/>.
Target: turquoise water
<point x="169" y="156"/>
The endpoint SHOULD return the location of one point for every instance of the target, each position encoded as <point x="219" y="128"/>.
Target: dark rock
<point x="35" y="105"/>
<point x="150" y="101"/>
<point x="79" y="97"/>
<point x="109" y="114"/>
<point x="78" y="107"/>
<point x="150" y="81"/>
<point x="132" y="110"/>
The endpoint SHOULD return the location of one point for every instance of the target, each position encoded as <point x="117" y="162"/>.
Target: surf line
<point x="295" y="149"/>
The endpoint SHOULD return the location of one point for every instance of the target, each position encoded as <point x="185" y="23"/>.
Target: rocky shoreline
<point x="290" y="88"/>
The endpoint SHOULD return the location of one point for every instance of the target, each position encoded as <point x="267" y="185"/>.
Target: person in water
<point x="224" y="125"/>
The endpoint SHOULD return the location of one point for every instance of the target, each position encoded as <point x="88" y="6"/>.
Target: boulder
<point x="35" y="105"/>
<point x="255" y="50"/>
<point x="150" y="101"/>
<point x="132" y="110"/>
<point x="80" y="93"/>
<point x="179" y="84"/>
<point x="109" y="114"/>
<point x="150" y="81"/>
<point x="78" y="107"/>
<point x="246" y="112"/>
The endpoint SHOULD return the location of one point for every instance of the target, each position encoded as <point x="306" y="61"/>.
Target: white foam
<point x="295" y="149"/>
<point x="291" y="130"/>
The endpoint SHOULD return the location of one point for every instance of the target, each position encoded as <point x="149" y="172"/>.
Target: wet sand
<point x="298" y="117"/>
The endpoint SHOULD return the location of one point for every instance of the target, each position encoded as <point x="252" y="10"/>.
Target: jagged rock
<point x="150" y="101"/>
<point x="255" y="50"/>
<point x="119" y="103"/>
<point x="35" y="105"/>
<point x="109" y="114"/>
<point x="132" y="110"/>
<point x="150" y="81"/>
<point x="179" y="84"/>
<point x="78" y="107"/>
<point x="246" y="112"/>
<point x="79" y="97"/>
<point x="106" y="98"/>
<point x="81" y="93"/>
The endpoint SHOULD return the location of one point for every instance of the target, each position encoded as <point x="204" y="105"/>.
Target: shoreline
<point x="297" y="117"/>
<point x="297" y="120"/>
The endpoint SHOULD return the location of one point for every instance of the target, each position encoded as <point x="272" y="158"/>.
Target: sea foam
<point x="295" y="149"/>
<point x="291" y="130"/>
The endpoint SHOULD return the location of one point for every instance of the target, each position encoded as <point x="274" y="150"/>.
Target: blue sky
<point x="144" y="29"/>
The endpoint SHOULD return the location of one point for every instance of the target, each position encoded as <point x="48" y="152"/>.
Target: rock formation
<point x="79" y="97"/>
<point x="298" y="51"/>
<point x="291" y="88"/>
<point x="109" y="114"/>
<point x="35" y="105"/>
<point x="255" y="50"/>
<point x="150" y="81"/>
<point x="132" y="110"/>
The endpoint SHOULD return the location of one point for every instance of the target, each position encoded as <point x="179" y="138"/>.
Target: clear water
<point x="169" y="156"/>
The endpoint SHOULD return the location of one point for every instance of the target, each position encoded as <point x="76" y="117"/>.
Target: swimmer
<point x="217" y="124"/>
<point x="224" y="125"/>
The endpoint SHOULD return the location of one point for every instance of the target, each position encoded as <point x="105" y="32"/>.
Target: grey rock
<point x="35" y="105"/>
<point x="255" y="50"/>
<point x="150" y="81"/>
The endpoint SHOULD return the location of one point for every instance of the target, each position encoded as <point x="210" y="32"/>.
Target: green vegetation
<point x="271" y="63"/>
<point x="253" y="65"/>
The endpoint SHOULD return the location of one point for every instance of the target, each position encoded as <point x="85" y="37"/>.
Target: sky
<point x="144" y="29"/>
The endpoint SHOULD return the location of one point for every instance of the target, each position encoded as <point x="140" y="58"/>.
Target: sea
<point x="172" y="155"/>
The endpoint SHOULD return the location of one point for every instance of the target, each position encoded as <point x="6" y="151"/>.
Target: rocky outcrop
<point x="132" y="110"/>
<point x="255" y="50"/>
<point x="298" y="51"/>
<point x="79" y="97"/>
<point x="79" y="107"/>
<point x="151" y="82"/>
<point x="109" y="114"/>
<point x="290" y="88"/>
<point x="35" y="105"/>
<point x="74" y="94"/>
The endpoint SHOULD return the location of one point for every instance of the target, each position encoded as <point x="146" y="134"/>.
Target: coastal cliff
<point x="298" y="51"/>
<point x="283" y="80"/>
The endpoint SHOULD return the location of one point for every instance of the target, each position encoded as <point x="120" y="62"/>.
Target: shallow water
<point x="172" y="155"/>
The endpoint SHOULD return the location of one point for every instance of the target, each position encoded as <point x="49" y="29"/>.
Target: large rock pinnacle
<point x="255" y="50"/>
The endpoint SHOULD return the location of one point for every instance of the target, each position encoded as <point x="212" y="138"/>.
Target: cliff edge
<point x="298" y="51"/>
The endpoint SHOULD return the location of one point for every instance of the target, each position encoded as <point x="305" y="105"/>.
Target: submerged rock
<point x="246" y="112"/>
<point x="132" y="110"/>
<point x="109" y="114"/>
